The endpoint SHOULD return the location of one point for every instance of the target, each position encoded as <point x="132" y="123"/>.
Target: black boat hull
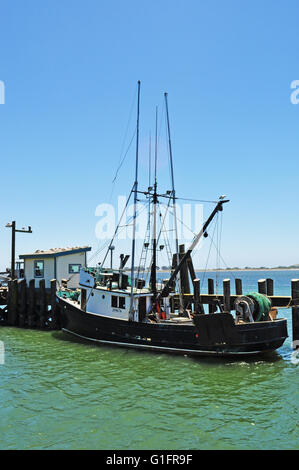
<point x="217" y="336"/>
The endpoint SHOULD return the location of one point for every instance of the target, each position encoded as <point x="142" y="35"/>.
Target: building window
<point x="74" y="268"/>
<point x="38" y="269"/>
<point x="118" y="302"/>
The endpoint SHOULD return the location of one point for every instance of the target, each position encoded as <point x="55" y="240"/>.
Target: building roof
<point x="54" y="252"/>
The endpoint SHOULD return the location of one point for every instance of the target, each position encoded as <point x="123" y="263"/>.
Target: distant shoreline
<point x="235" y="270"/>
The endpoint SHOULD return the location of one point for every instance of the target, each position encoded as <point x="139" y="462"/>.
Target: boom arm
<point x="165" y="290"/>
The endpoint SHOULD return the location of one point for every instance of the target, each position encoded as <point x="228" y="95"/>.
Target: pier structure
<point x="28" y="306"/>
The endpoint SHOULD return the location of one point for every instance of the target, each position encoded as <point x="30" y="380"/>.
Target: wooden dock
<point x="227" y="298"/>
<point x="29" y="307"/>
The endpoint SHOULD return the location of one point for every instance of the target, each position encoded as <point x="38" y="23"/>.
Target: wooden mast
<point x="131" y="312"/>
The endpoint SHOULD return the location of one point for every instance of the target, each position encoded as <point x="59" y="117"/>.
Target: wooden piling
<point x="54" y="309"/>
<point x="31" y="304"/>
<point x="43" y="307"/>
<point x="22" y="302"/>
<point x="28" y="306"/>
<point x="173" y="266"/>
<point x="211" y="290"/>
<point x="12" y="317"/>
<point x="295" y="312"/>
<point x="196" y="286"/>
<point x="238" y="286"/>
<point x="185" y="285"/>
<point x="226" y="295"/>
<point x="262" y="286"/>
<point x="270" y="287"/>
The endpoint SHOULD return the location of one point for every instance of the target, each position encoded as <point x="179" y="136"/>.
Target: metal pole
<point x="131" y="313"/>
<point x="12" y="225"/>
<point x="174" y="203"/>
<point x="155" y="200"/>
<point x="13" y="249"/>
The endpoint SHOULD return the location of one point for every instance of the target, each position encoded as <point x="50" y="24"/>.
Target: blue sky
<point x="70" y="70"/>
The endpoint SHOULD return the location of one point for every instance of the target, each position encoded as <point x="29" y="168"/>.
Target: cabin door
<point x="142" y="308"/>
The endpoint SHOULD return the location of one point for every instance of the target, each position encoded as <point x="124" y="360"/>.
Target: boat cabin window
<point x="74" y="268"/>
<point x="38" y="269"/>
<point x="118" y="302"/>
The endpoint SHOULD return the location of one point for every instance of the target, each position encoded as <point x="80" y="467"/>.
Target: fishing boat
<point x="115" y="308"/>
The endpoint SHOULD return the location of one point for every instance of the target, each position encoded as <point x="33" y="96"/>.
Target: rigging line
<point x="186" y="226"/>
<point x="149" y="160"/>
<point x="227" y="267"/>
<point x="115" y="232"/>
<point x="208" y="257"/>
<point x="144" y="250"/>
<point x="160" y="232"/>
<point x="147" y="235"/>
<point x="122" y="227"/>
<point x="124" y="140"/>
<point x="166" y="240"/>
<point x="156" y="145"/>
<point x="168" y="151"/>
<point x="217" y="252"/>
<point x="220" y="235"/>
<point x="164" y="217"/>
<point x="161" y="122"/>
<point x="128" y="123"/>
<point x="99" y="250"/>
<point x="196" y="200"/>
<point x="219" y="221"/>
<point x="124" y="157"/>
<point x="138" y="213"/>
<point x="220" y="241"/>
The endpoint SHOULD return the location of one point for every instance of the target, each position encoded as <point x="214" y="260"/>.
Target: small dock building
<point x="56" y="263"/>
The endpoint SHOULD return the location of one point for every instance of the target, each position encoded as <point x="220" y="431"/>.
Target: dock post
<point x="54" y="309"/>
<point x="262" y="286"/>
<point x="211" y="291"/>
<point x="12" y="317"/>
<point x="173" y="266"/>
<point x="238" y="284"/>
<point x="226" y="295"/>
<point x="270" y="287"/>
<point x="22" y="302"/>
<point x="42" y="303"/>
<point x="295" y="312"/>
<point x="184" y="277"/>
<point x="31" y="303"/>
<point x="196" y="286"/>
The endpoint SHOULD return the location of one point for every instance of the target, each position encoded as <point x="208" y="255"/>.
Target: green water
<point x="57" y="393"/>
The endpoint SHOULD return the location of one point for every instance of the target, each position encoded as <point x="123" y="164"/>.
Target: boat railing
<point x="103" y="276"/>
